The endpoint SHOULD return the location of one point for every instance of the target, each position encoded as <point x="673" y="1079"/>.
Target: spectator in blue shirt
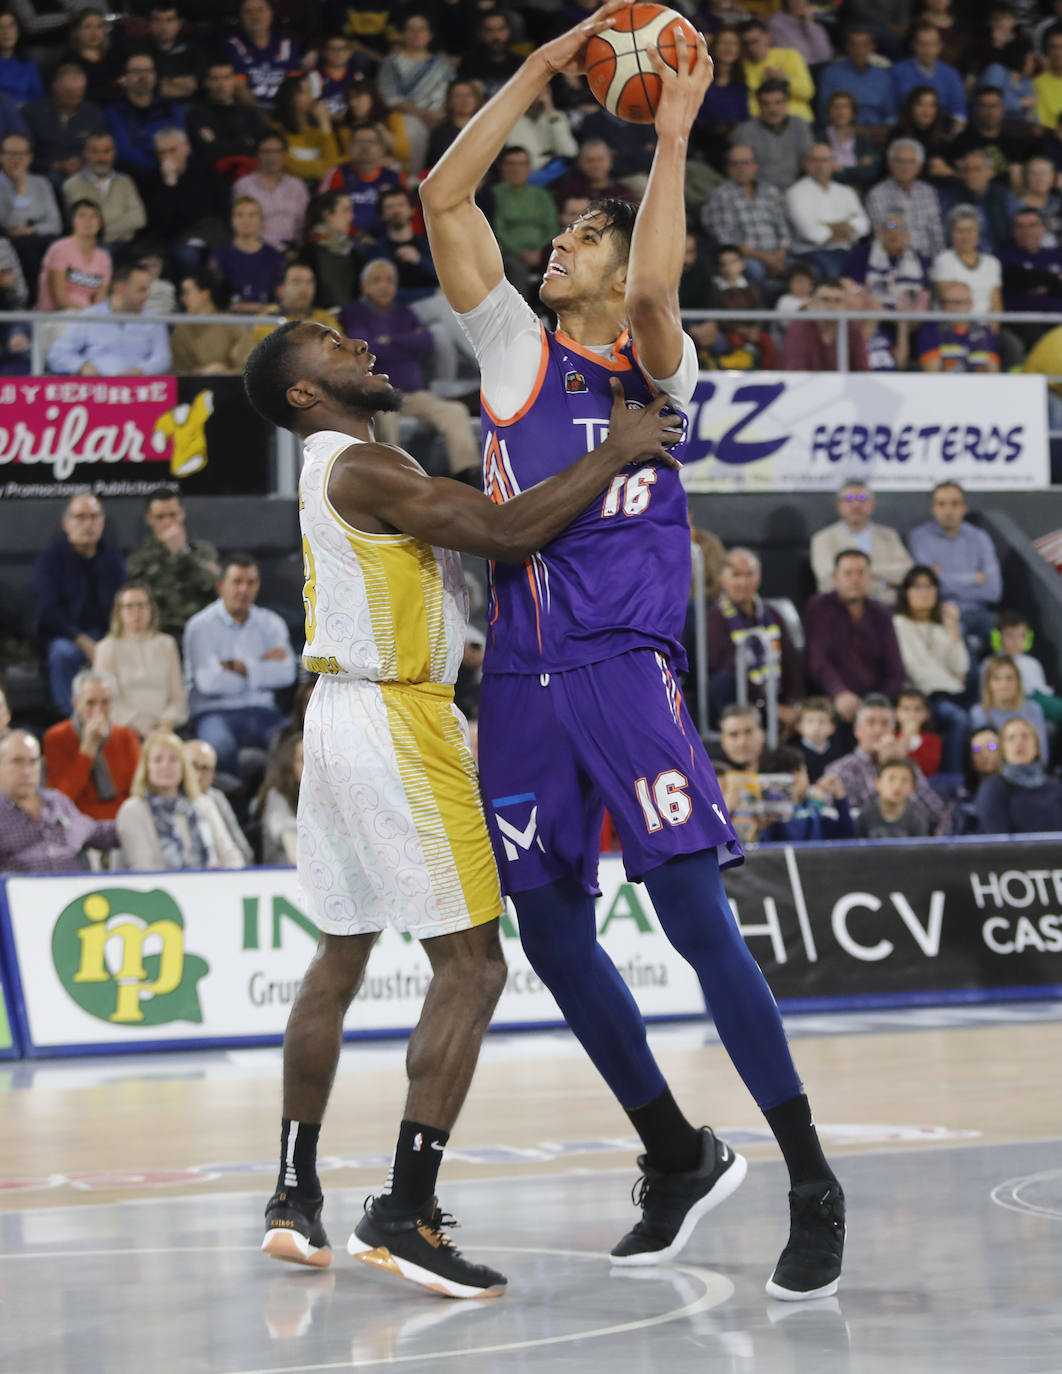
<point x="20" y="77"/>
<point x="964" y="559"/>
<point x="122" y="349"/>
<point x="924" y="68"/>
<point x="138" y="117"/>
<point x="75" y="581"/>
<point x="236" y="657"/>
<point x="870" y="86"/>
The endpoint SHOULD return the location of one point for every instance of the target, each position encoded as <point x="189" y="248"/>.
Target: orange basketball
<point x="618" y="68"/>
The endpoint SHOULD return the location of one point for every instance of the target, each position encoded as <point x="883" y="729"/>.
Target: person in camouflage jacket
<point x="182" y="573"/>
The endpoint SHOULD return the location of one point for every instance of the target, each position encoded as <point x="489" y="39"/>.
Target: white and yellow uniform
<point x="390" y="822"/>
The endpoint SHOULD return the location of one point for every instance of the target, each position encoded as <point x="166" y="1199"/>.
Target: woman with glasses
<point x="145" y="664"/>
<point x="1020" y="799"/>
<point x="935" y="657"/>
<point x="983" y="758"/>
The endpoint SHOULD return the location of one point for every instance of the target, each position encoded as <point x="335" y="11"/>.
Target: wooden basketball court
<point x="131" y="1193"/>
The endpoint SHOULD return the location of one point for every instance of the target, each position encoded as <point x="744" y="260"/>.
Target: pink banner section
<point x="64" y="423"/>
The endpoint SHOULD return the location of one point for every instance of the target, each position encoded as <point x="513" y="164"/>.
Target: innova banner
<point x="122" y="960"/>
<point x="811" y="431"/>
<point x="122" y="436"/>
<point x="138" y="960"/>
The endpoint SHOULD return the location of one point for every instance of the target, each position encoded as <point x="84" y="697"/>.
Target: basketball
<point x="618" y="68"/>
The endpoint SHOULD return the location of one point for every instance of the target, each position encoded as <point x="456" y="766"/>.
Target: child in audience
<point x="820" y="810"/>
<point x="922" y="745"/>
<point x="816" y="734"/>
<point x="1015" y="637"/>
<point x="798" y="288"/>
<point x="892" y="817"/>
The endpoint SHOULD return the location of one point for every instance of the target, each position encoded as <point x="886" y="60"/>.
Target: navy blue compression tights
<point x="559" y="935"/>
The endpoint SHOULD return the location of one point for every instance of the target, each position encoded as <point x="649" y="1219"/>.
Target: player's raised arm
<point x="463" y="246"/>
<point x="372" y="482"/>
<point x="659" y="239"/>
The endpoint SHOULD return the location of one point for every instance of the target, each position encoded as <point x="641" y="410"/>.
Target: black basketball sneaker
<point x="414" y="1245"/>
<point x="294" y="1231"/>
<point x="810" y="1264"/>
<point x="672" y="1204"/>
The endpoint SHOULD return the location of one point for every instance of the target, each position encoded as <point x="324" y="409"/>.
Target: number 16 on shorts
<point x="664" y="800"/>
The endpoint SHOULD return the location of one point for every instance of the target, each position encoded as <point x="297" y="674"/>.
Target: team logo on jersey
<point x="515" y="837"/>
<point x="574" y="382"/>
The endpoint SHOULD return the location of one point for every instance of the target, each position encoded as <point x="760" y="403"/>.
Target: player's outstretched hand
<point x="642" y="435"/>
<point x="682" y="92"/>
<point x="566" y="53"/>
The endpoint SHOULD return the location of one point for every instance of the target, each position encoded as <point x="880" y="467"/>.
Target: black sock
<point x="298" y="1157"/>
<point x="798" y="1140"/>
<point x="418" y="1155"/>
<point x="672" y="1145"/>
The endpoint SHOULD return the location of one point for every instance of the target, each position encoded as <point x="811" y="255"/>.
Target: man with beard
<point x="391" y="830"/>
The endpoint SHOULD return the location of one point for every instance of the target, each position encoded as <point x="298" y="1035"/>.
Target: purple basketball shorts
<point x="556" y="750"/>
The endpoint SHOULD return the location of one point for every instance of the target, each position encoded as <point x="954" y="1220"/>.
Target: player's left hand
<point x="682" y="92"/>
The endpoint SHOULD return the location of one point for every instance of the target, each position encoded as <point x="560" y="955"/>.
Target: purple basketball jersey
<point x="618" y="578"/>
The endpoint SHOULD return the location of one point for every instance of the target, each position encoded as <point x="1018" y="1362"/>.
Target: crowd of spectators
<point x="265" y="160"/>
<point x="913" y="688"/>
<point x="178" y="695"/>
<point x="839" y="161"/>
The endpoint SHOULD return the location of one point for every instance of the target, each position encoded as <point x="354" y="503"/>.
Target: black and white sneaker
<point x="810" y="1265"/>
<point x="294" y="1231"/>
<point x="673" y="1204"/>
<point x="414" y="1246"/>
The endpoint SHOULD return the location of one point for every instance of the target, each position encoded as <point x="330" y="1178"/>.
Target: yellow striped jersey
<point x="380" y="607"/>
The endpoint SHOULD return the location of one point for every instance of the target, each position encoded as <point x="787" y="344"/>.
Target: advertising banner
<point x="122" y="436"/>
<point x="810" y="431"/>
<point x="120" y="961"/>
<point x="925" y="921"/>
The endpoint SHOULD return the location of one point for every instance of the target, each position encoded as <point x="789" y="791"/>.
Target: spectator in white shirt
<point x="205" y="766"/>
<point x="827" y="217"/>
<point x="962" y="262"/>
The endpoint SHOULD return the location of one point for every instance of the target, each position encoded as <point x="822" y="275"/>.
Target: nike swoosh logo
<point x="436" y="1146"/>
<point x="726" y="1153"/>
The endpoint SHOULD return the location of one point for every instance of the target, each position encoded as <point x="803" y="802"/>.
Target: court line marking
<point x="717" y="1290"/>
<point x="1016" y="1203"/>
<point x="629" y="1170"/>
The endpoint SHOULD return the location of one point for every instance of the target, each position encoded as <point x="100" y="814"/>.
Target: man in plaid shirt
<point x="41" y="830"/>
<point x="749" y="213"/>
<point x="903" y="190"/>
<point x="875" y="732"/>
